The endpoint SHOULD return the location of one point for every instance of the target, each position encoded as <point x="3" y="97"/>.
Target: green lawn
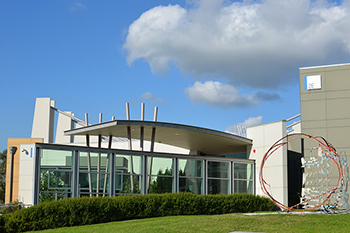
<point x="225" y="223"/>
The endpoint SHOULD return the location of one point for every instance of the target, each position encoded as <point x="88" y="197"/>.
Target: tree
<point x="3" y="156"/>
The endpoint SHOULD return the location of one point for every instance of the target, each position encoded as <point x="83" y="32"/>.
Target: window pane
<point x="243" y="186"/>
<point x="56" y="158"/>
<point x="127" y="183"/>
<point x="190" y="167"/>
<point x="128" y="164"/>
<point x="218" y="169"/>
<point x="218" y="186"/>
<point x="193" y="185"/>
<point x="94" y="158"/>
<point x="243" y="171"/>
<point x="160" y="166"/>
<point x="160" y="184"/>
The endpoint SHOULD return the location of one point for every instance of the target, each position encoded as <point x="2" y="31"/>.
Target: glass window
<point x="190" y="184"/>
<point x="190" y="176"/>
<point x="128" y="177"/>
<point x="190" y="168"/>
<point x="216" y="186"/>
<point x="218" y="169"/>
<point x="218" y="177"/>
<point x="243" y="171"/>
<point x="243" y="186"/>
<point x="55" y="175"/>
<point x="95" y="182"/>
<point x="160" y="175"/>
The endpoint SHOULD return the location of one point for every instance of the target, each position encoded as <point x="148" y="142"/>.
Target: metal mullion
<point x="231" y="177"/>
<point x="36" y="183"/>
<point x="112" y="175"/>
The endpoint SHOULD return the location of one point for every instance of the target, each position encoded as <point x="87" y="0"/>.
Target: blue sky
<point x="209" y="63"/>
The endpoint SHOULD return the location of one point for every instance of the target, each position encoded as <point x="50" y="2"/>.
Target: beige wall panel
<point x="313" y="124"/>
<point x="338" y="123"/>
<point x="313" y="95"/>
<point x="313" y="110"/>
<point x="339" y="136"/>
<point x="338" y="108"/>
<point x="338" y="94"/>
<point x="338" y="80"/>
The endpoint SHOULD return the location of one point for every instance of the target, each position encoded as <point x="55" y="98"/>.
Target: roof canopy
<point x="206" y="141"/>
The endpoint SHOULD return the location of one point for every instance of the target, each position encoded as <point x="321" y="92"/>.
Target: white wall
<point x="43" y="122"/>
<point x="26" y="174"/>
<point x="275" y="170"/>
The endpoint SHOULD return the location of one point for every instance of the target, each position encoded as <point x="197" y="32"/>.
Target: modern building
<point x="68" y="157"/>
<point x="324" y="101"/>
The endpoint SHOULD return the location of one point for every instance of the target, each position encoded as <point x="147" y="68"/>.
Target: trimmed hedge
<point x="86" y="210"/>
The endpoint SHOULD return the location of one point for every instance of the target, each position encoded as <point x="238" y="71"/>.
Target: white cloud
<point x="254" y="43"/>
<point x="78" y="6"/>
<point x="224" y="95"/>
<point x="237" y="129"/>
<point x="149" y="96"/>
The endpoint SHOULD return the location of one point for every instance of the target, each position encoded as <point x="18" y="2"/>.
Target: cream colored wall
<point x="275" y="169"/>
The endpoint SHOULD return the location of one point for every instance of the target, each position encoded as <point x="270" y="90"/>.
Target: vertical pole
<point x="99" y="159"/>
<point x="152" y="141"/>
<point x="36" y="176"/>
<point x="130" y="148"/>
<point x="106" y="176"/>
<point x="112" y="175"/>
<point x="12" y="150"/>
<point x="75" y="183"/>
<point x="142" y="129"/>
<point x="88" y="156"/>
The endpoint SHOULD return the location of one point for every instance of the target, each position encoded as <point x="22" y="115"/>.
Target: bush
<point x="86" y="210"/>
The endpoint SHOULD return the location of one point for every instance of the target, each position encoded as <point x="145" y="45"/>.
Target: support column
<point x="112" y="175"/>
<point x="36" y="177"/>
<point x="88" y="156"/>
<point x="75" y="175"/>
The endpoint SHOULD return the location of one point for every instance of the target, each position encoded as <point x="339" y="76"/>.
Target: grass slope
<point x="224" y="223"/>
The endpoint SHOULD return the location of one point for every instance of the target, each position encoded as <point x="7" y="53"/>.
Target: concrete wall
<point x="275" y="169"/>
<point x="325" y="112"/>
<point x="43" y="121"/>
<point x="26" y="171"/>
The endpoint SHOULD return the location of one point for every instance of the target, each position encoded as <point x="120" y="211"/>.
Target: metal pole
<point x="130" y="148"/>
<point x="12" y="150"/>
<point x="99" y="158"/>
<point x="88" y="156"/>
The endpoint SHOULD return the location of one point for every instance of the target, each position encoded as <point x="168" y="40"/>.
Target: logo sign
<point x="313" y="82"/>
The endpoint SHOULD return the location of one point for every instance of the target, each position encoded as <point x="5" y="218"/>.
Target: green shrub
<point x="86" y="210"/>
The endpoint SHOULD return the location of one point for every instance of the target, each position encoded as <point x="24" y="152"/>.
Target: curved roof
<point x="206" y="141"/>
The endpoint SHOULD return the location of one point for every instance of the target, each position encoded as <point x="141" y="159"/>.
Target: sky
<point x="207" y="63"/>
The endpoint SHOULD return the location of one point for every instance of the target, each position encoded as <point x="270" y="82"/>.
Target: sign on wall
<point x="312" y="82"/>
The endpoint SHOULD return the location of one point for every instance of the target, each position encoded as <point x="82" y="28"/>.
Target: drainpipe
<point x="12" y="150"/>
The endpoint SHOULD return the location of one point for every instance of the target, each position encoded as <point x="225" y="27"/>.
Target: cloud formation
<point x="149" y="96"/>
<point x="224" y="95"/>
<point x="252" y="43"/>
<point x="239" y="130"/>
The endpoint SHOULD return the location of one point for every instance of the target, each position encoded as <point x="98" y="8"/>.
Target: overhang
<point x="206" y="141"/>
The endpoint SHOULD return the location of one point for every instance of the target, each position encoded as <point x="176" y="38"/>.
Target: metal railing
<point x="11" y="207"/>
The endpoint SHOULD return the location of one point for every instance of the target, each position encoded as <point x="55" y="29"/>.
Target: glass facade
<point x="218" y="177"/>
<point x="128" y="175"/>
<point x="160" y="175"/>
<point x="71" y="171"/>
<point x="243" y="178"/>
<point x="55" y="175"/>
<point x="191" y="176"/>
